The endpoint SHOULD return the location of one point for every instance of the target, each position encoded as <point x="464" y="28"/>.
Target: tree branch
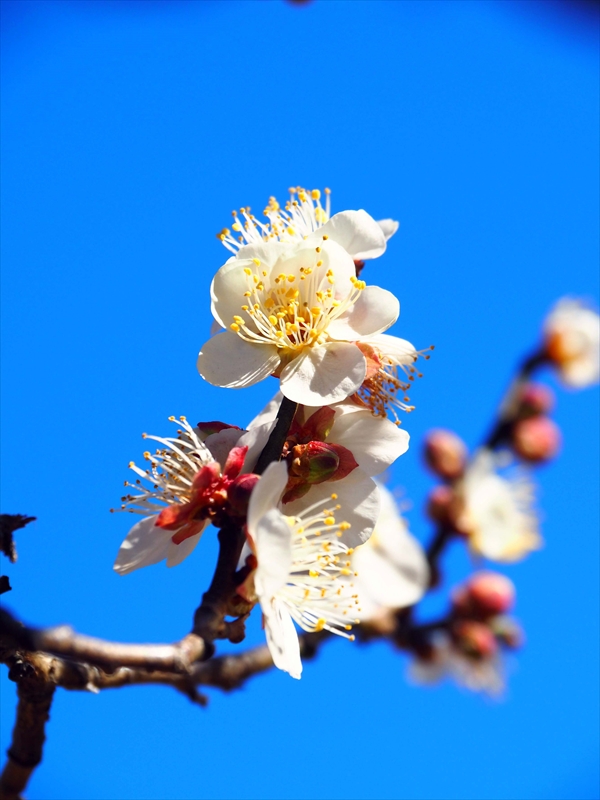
<point x="274" y="446"/>
<point x="64" y="641"/>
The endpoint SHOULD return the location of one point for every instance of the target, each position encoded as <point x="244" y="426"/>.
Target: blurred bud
<point x="474" y="639"/>
<point x="238" y="493"/>
<point x="508" y="632"/>
<point x="536" y="439"/>
<point x="535" y="399"/>
<point x="445" y="454"/>
<point x="442" y="506"/>
<point x="490" y="593"/>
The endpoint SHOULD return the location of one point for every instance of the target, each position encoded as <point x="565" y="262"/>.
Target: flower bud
<point x="238" y="493"/>
<point x="536" y="439"/>
<point x="535" y="399"/>
<point x="442" y="506"/>
<point x="445" y="454"/>
<point x="490" y="593"/>
<point x="474" y="639"/>
<point x="508" y="632"/>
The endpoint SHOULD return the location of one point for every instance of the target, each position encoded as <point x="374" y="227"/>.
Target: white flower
<point x="392" y="570"/>
<point x="355" y="231"/>
<point x="485" y="675"/>
<point x="186" y="490"/>
<point x="572" y="342"/>
<point x="299" y="312"/>
<point x="375" y="443"/>
<point x="390" y="374"/>
<point x="497" y="513"/>
<point x="301" y="563"/>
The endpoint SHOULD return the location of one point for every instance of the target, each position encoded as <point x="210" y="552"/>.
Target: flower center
<point x="292" y="312"/>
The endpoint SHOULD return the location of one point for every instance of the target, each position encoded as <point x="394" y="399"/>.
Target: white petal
<point x="334" y="259"/>
<point x="282" y="638"/>
<point x="375" y="442"/>
<point x="324" y="374"/>
<point x="226" y="360"/>
<point x="375" y="311"/>
<point x="145" y="544"/>
<point x="227" y="290"/>
<point x="220" y="444"/>
<point x="358" y="496"/>
<point x="391" y="585"/>
<point x="273" y="543"/>
<point x="177" y="552"/>
<point x="389" y="227"/>
<point x="268" y="413"/>
<point x="402" y="351"/>
<point x="266" y="252"/>
<point x="255" y="439"/>
<point x="357" y="232"/>
<point x="266" y="494"/>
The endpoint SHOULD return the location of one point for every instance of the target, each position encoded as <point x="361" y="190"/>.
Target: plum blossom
<point x="496" y="512"/>
<point x="392" y="570"/>
<point x="478" y="673"/>
<point x="186" y="491"/>
<point x="303" y="215"/>
<point x="300" y="565"/>
<point x="297" y="312"/>
<point x="572" y="342"/>
<point x="328" y="443"/>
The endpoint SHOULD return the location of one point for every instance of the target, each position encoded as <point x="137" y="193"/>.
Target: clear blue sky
<point x="129" y="132"/>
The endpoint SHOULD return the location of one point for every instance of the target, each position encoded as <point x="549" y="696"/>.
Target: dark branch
<point x="274" y="446"/>
<point x="9" y="523"/>
<point x="63" y="641"/>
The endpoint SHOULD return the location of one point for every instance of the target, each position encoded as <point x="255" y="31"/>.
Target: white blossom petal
<point x="176" y="553"/>
<point x="358" y="498"/>
<point x="375" y="311"/>
<point x="282" y="638"/>
<point x="227" y="290"/>
<point x="389" y="227"/>
<point x="273" y="545"/>
<point x="357" y="232"/>
<point x="401" y="350"/>
<point x="220" y="444"/>
<point x="266" y="494"/>
<point x="375" y="442"/>
<point x="266" y="252"/>
<point x="325" y="374"/>
<point x="146" y="544"/>
<point x="228" y="361"/>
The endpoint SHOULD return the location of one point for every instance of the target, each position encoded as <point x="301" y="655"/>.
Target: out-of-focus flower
<point x="445" y="454"/>
<point x="496" y="513"/>
<point x="301" y="561"/>
<point x="534" y="399"/>
<point x="186" y="491"/>
<point x="468" y="667"/>
<point x="572" y="342"/>
<point x="536" y="439"/>
<point x="297" y="312"/>
<point x="328" y="444"/>
<point x="392" y="570"/>
<point x="356" y="231"/>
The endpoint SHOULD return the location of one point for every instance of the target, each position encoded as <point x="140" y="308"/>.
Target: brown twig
<point x="64" y="641"/>
<point x="35" y="694"/>
<point x="9" y="523"/>
<point x="274" y="446"/>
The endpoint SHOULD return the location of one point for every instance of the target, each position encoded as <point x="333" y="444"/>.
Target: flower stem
<point x="274" y="446"/>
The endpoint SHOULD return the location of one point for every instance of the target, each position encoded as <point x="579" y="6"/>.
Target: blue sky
<point x="129" y="132"/>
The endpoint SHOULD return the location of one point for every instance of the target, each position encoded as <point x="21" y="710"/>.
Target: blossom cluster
<point x="323" y="544"/>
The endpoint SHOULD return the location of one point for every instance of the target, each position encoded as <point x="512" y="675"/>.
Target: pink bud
<point x="490" y="593"/>
<point x="535" y="399"/>
<point x="536" y="439"/>
<point x="474" y="639"/>
<point x="445" y="454"/>
<point x="238" y="493"/>
<point x="442" y="506"/>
